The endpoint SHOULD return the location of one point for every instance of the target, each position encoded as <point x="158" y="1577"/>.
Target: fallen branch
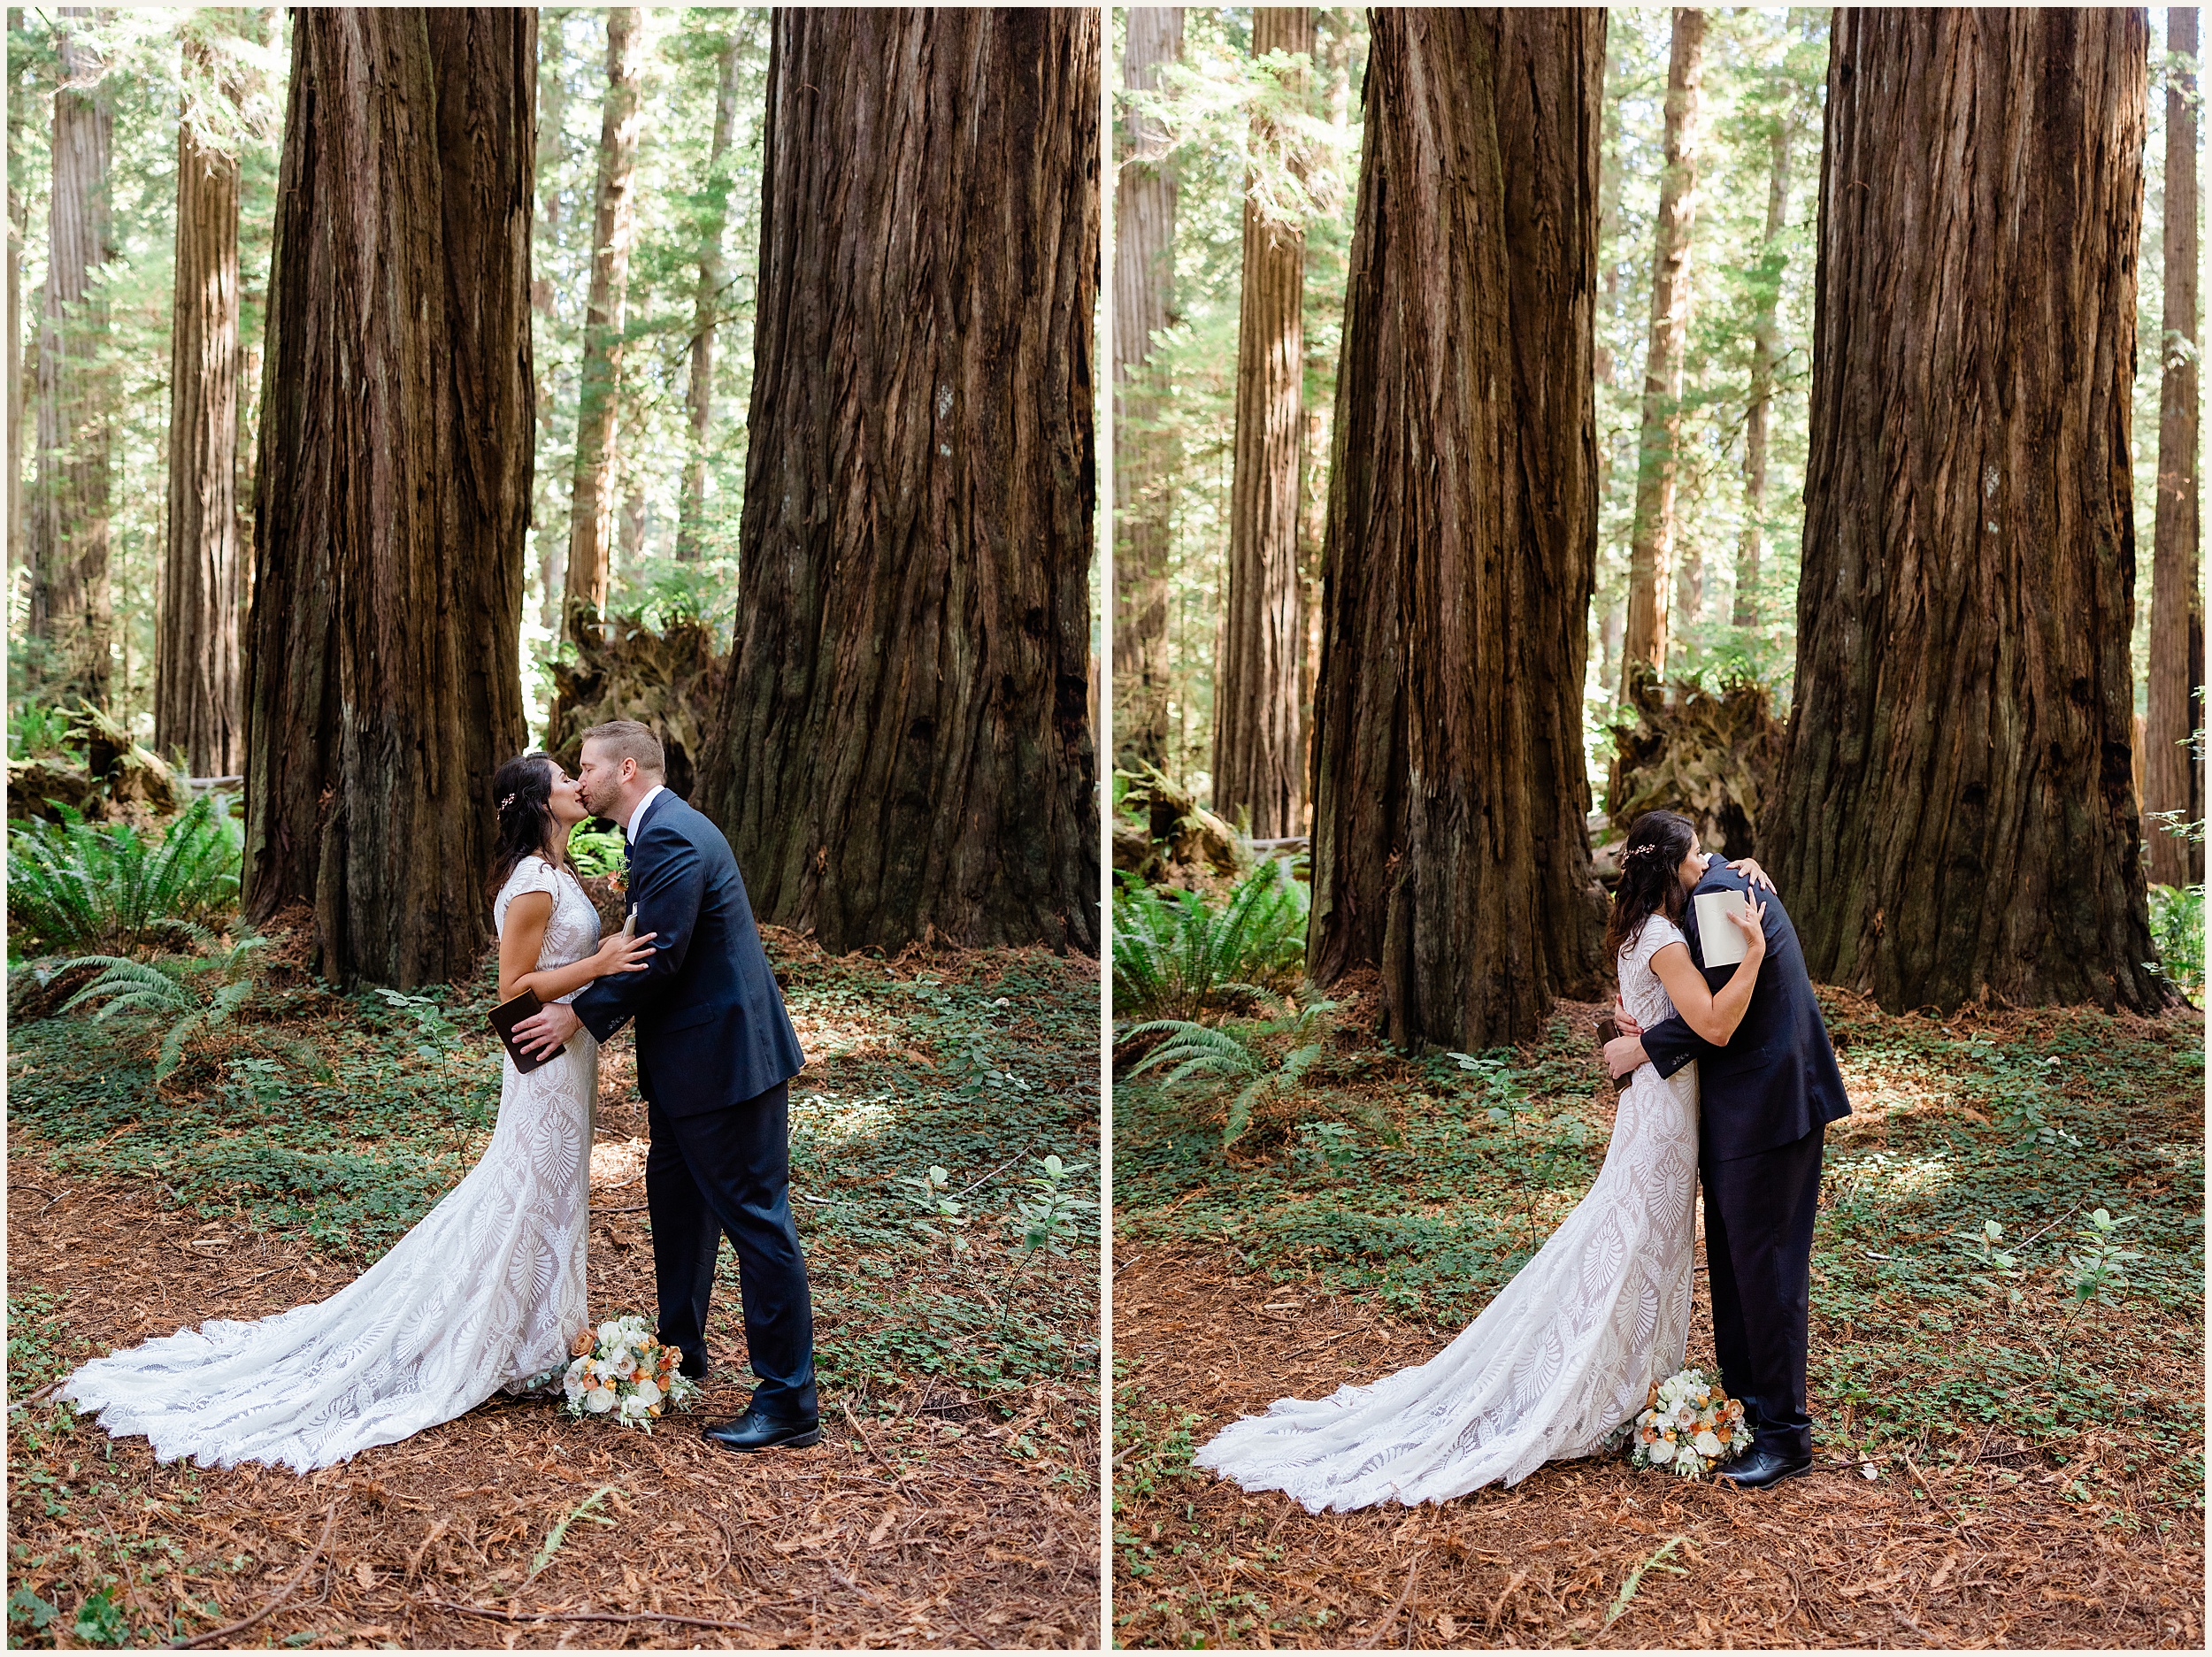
<point x="584" y="1617"/>
<point x="1396" y="1605"/>
<point x="330" y="1521"/>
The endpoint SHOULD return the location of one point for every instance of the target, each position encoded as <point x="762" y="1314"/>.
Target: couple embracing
<point x="487" y="1292"/>
<point x="1730" y="1076"/>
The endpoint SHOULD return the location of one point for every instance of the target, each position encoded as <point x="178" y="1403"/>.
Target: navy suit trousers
<point x="1759" y="1213"/>
<point x="728" y="1171"/>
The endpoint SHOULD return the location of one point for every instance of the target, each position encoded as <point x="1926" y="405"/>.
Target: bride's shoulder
<point x="531" y="873"/>
<point x="1658" y="932"/>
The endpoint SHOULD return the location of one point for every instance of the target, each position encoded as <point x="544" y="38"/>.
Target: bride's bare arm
<point x="524" y="936"/>
<point x="1714" y="1016"/>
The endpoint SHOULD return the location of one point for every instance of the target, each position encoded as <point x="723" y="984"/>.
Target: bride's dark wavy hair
<point x="522" y="795"/>
<point x="1657" y="843"/>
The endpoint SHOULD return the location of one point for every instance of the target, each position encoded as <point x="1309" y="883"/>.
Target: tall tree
<point x="1766" y="349"/>
<point x="1956" y="816"/>
<point x="552" y="124"/>
<point x="902" y="747"/>
<point x="1450" y="848"/>
<point x="591" y="528"/>
<point x="1144" y="448"/>
<point x="18" y="228"/>
<point x="2173" y="780"/>
<point x="1651" y="533"/>
<point x="71" y="609"/>
<point x="691" y="513"/>
<point x="1259" y="748"/>
<point x="196" y="708"/>
<point x="393" y="491"/>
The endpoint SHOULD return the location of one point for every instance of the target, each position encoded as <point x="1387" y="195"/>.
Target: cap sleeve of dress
<point x="531" y="874"/>
<point x="1659" y="931"/>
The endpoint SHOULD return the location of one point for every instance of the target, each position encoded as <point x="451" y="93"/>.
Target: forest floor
<point x="1988" y="1472"/>
<point x="953" y="1499"/>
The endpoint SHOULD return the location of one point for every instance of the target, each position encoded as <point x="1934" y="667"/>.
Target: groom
<point x="716" y="1054"/>
<point x="1763" y="1102"/>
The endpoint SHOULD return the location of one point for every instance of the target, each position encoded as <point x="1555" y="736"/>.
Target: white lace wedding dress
<point x="1565" y="1353"/>
<point x="485" y="1292"/>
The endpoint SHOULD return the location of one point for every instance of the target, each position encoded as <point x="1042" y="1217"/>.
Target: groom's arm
<point x="667" y="898"/>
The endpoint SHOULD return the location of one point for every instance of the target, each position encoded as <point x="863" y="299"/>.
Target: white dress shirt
<point x="629" y="829"/>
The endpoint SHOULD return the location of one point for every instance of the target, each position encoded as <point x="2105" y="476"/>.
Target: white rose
<point x="599" y="1401"/>
<point x="1706" y="1444"/>
<point x="647" y="1393"/>
<point x="1660" y="1451"/>
<point x="609" y="1333"/>
<point x="1684" y="1416"/>
<point x="624" y="1365"/>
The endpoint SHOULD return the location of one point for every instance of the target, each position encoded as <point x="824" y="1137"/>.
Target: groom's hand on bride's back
<point x="547" y="1030"/>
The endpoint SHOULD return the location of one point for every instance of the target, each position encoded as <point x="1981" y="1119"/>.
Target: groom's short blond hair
<point x="626" y="739"/>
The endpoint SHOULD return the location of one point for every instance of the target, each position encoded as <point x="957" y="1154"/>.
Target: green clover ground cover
<point x="1425" y="1184"/>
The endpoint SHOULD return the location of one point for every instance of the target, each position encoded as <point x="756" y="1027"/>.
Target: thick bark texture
<point x="1956" y="818"/>
<point x="2173" y="778"/>
<point x="691" y="514"/>
<point x="393" y="492"/>
<point x="72" y="610"/>
<point x="1651" y="532"/>
<point x="1450" y="846"/>
<point x="197" y="707"/>
<point x="1145" y="451"/>
<point x="591" y="527"/>
<point x="904" y="749"/>
<point x="18" y="226"/>
<point x="1765" y="350"/>
<point x="1259" y="748"/>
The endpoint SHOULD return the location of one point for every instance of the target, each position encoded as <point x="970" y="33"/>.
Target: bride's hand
<point x="1748" y="868"/>
<point x="1753" y="928"/>
<point x="618" y="953"/>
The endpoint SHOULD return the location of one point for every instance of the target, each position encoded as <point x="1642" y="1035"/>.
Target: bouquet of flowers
<point x="619" y="1369"/>
<point x="1687" y="1425"/>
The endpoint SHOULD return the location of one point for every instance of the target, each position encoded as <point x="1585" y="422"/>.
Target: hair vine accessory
<point x="1637" y="851"/>
<point x="509" y="801"/>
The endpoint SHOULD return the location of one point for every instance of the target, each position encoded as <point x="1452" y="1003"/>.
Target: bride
<point x="1571" y="1347"/>
<point x="484" y="1293"/>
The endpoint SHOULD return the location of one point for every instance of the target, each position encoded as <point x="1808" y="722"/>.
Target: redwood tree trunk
<point x="1956" y="816"/>
<point x="903" y="750"/>
<point x="1651" y="533"/>
<point x="196" y="708"/>
<point x="1145" y="451"/>
<point x="1258" y="747"/>
<point x="392" y="496"/>
<point x="18" y="226"/>
<point x="1765" y="350"/>
<point x="691" y="514"/>
<point x="71" y="612"/>
<point x="2173" y="778"/>
<point x="591" y="528"/>
<point x="1450" y="848"/>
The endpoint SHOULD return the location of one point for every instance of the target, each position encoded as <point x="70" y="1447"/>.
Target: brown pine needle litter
<point x="931" y="1516"/>
<point x="1980" y="1537"/>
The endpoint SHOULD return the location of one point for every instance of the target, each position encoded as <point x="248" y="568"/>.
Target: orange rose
<point x="585" y="1339"/>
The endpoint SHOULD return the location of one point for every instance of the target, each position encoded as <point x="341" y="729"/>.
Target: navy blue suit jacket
<point x="1776" y="1080"/>
<point x="711" y="1031"/>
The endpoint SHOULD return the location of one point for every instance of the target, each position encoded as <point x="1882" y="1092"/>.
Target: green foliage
<point x="100" y="1619"/>
<point x="2177" y="931"/>
<point x="1180" y="955"/>
<point x="36" y="731"/>
<point x="72" y="885"/>
<point x="943" y="1219"/>
<point x="597" y="851"/>
<point x="1241" y="1053"/>
<point x="172" y="990"/>
<point x="1046" y="1220"/>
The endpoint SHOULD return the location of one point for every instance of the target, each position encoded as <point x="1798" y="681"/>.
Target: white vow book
<point x="1723" y="945"/>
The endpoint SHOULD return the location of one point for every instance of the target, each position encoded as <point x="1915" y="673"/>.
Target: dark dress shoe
<point x="1760" y="1467"/>
<point x="752" y="1431"/>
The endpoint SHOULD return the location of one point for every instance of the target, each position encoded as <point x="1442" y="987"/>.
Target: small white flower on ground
<point x="1870" y="1469"/>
